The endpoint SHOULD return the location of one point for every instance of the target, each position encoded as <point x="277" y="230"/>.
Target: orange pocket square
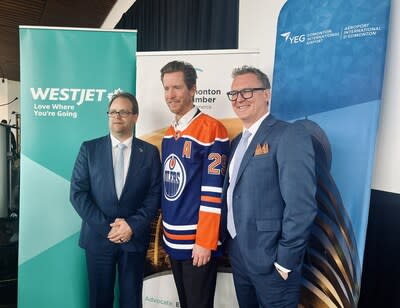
<point x="261" y="149"/>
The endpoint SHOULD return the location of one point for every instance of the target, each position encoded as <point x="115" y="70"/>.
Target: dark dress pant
<point x="195" y="285"/>
<point x="267" y="290"/>
<point x="102" y="269"/>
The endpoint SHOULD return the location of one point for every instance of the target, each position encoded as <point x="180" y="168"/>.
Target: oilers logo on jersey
<point x="174" y="177"/>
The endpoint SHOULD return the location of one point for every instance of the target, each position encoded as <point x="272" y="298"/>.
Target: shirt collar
<point x="115" y="141"/>
<point x="253" y="128"/>
<point x="185" y="119"/>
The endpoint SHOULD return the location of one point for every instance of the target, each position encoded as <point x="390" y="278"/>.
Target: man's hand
<point x="201" y="256"/>
<point x="120" y="232"/>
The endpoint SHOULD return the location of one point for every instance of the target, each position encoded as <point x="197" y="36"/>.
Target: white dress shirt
<point x="253" y="130"/>
<point x="185" y="120"/>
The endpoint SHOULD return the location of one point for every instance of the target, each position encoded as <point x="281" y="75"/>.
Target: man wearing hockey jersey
<point x="194" y="155"/>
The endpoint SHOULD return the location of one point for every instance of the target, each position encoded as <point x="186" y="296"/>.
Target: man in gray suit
<point x="270" y="196"/>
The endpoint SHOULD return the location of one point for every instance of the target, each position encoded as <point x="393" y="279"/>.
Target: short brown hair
<point x="189" y="73"/>
<point x="130" y="97"/>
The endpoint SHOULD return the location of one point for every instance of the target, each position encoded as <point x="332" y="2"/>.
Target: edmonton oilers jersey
<point x="194" y="164"/>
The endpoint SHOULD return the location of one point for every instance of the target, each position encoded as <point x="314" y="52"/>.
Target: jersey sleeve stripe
<point x="211" y="189"/>
<point x="179" y="227"/>
<point x="185" y="237"/>
<point x="210" y="209"/>
<point x="177" y="246"/>
<point x="211" y="199"/>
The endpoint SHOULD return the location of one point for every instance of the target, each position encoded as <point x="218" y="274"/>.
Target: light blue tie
<point x="119" y="169"/>
<point x="240" y="150"/>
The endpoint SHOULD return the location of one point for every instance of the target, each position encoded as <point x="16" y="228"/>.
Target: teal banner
<point x="67" y="78"/>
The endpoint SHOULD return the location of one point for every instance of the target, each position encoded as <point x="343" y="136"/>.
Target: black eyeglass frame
<point x="121" y="113"/>
<point x="245" y="93"/>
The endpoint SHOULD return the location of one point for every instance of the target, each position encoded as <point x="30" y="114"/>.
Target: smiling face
<point x="252" y="109"/>
<point x="178" y="97"/>
<point x="122" y="127"/>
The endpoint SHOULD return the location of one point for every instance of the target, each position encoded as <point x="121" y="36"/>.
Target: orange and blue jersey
<point x="194" y="165"/>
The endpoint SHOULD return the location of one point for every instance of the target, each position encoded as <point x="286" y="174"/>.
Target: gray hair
<point x="246" y="69"/>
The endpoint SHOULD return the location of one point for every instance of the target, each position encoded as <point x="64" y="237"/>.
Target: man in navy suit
<point x="270" y="196"/>
<point x="116" y="189"/>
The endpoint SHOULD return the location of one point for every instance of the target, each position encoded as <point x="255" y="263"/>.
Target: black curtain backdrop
<point x="183" y="24"/>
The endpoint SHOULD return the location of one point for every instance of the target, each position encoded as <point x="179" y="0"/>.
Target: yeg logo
<point x="293" y="39"/>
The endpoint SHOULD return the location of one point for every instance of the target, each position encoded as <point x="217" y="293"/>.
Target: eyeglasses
<point x="245" y="93"/>
<point x="121" y="113"/>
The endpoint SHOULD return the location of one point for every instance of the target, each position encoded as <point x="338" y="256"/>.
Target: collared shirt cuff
<point x="281" y="268"/>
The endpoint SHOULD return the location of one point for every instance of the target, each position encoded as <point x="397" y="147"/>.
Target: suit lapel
<point x="234" y="145"/>
<point x="108" y="165"/>
<point x="263" y="131"/>
<point x="136" y="160"/>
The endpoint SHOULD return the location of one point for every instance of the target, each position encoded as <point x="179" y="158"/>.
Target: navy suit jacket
<point x="94" y="197"/>
<point x="274" y="202"/>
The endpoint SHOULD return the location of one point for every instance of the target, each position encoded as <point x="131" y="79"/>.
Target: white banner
<point x="214" y="69"/>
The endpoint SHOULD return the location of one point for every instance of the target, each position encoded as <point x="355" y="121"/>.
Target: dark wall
<point x="380" y="285"/>
<point x="8" y="262"/>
